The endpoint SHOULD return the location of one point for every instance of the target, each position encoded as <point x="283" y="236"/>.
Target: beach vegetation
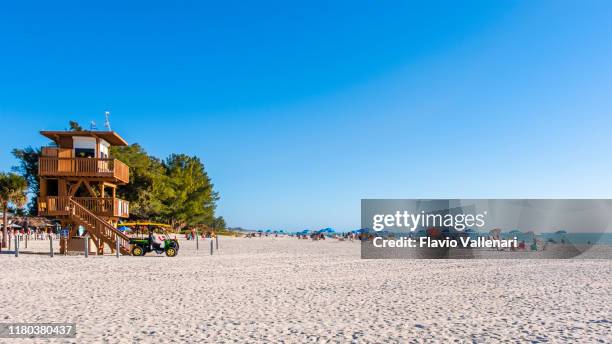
<point x="28" y="168"/>
<point x="13" y="190"/>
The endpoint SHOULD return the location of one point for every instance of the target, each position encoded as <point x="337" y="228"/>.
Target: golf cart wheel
<point x="137" y="251"/>
<point x="171" y="252"/>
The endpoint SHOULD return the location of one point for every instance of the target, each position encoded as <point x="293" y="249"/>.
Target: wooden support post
<point x="117" y="248"/>
<point x="211" y="247"/>
<point x="86" y="246"/>
<point x="197" y="242"/>
<point x="99" y="250"/>
<point x="92" y="192"/>
<point x="217" y="242"/>
<point x="51" y="246"/>
<point x="16" y="245"/>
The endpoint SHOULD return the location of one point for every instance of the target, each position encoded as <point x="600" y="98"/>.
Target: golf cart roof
<point x="142" y="223"/>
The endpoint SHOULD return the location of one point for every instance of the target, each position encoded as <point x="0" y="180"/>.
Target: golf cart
<point x="152" y="237"/>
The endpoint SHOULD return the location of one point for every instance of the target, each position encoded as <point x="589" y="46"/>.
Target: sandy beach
<point x="289" y="290"/>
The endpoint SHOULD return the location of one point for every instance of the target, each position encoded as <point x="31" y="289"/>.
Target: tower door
<point x="64" y="165"/>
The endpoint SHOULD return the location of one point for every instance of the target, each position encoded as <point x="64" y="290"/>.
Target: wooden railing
<point x="121" y="171"/>
<point x="106" y="206"/>
<point x="83" y="167"/>
<point x="98" y="228"/>
<point x="53" y="206"/>
<point x="121" y="208"/>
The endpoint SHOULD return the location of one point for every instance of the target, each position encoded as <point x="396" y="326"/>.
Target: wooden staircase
<point x="98" y="228"/>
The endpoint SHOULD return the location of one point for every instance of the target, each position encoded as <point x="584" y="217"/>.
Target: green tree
<point x="28" y="169"/>
<point x="192" y="198"/>
<point x="218" y="223"/>
<point x="148" y="185"/>
<point x="13" y="190"/>
<point x="75" y="126"/>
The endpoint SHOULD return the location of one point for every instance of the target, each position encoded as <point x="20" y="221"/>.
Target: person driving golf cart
<point x="157" y="240"/>
<point x="151" y="241"/>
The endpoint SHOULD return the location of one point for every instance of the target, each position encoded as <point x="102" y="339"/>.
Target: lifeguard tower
<point x="78" y="184"/>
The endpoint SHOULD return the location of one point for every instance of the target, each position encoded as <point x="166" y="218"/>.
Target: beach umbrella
<point x="529" y="236"/>
<point x="124" y="228"/>
<point x="471" y="233"/>
<point x="433" y="232"/>
<point x="495" y="232"/>
<point x="514" y="233"/>
<point x="326" y="230"/>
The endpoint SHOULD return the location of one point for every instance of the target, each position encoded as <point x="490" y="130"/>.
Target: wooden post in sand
<point x="197" y="241"/>
<point x="16" y="245"/>
<point x="51" y="246"/>
<point x="117" y="248"/>
<point x="211" y="247"/>
<point x="86" y="246"/>
<point x="217" y="242"/>
<point x="26" y="240"/>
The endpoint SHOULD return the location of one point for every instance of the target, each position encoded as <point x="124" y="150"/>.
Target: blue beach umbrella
<point x="326" y="230"/>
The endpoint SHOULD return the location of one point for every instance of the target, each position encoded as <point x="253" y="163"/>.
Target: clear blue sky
<point x="300" y="109"/>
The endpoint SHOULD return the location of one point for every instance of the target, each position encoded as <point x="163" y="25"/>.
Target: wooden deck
<point x="107" y="207"/>
<point x="109" y="169"/>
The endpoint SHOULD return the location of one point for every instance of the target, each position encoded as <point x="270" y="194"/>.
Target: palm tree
<point x="13" y="190"/>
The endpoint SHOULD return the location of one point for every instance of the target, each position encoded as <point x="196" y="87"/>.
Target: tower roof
<point x="109" y="136"/>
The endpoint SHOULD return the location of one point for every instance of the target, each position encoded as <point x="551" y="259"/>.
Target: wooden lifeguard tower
<point x="78" y="184"/>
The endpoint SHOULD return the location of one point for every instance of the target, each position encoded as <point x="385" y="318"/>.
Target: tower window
<point x="84" y="153"/>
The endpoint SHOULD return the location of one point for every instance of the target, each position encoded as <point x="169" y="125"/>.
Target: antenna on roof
<point x="92" y="126"/>
<point x="107" y="120"/>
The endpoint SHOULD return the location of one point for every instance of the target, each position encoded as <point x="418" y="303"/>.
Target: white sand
<point x="259" y="290"/>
